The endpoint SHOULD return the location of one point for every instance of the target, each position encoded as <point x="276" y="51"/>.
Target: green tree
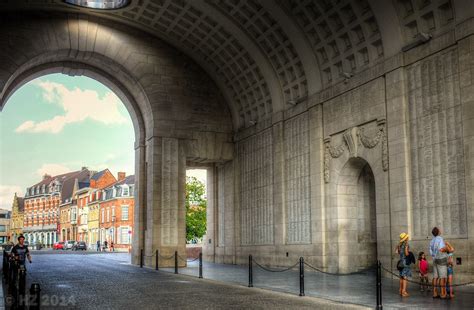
<point x="196" y="204"/>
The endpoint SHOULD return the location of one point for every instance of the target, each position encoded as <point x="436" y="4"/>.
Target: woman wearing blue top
<point x="403" y="250"/>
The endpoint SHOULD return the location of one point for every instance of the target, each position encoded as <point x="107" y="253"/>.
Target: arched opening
<point x="45" y="223"/>
<point x="356" y="215"/>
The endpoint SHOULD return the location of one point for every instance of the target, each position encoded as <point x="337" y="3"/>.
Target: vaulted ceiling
<point x="267" y="54"/>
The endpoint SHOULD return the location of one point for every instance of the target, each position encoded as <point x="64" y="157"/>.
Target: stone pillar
<point x="279" y="208"/>
<point x="398" y="216"/>
<point x="138" y="241"/>
<point x="166" y="213"/>
<point x="465" y="248"/>
<point x="209" y="246"/>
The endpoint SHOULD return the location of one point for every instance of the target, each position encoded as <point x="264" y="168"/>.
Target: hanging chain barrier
<point x="341" y="274"/>
<point x="421" y="283"/>
<point x="275" y="270"/>
<point x="188" y="260"/>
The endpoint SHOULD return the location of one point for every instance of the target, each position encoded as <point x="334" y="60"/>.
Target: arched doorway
<point x="356" y="214"/>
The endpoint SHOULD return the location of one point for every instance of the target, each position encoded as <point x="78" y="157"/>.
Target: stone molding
<point x="353" y="138"/>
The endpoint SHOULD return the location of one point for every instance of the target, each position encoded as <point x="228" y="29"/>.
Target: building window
<point x="108" y="215"/>
<point x="103" y="215"/>
<point x="124" y="236"/>
<point x="3" y="228"/>
<point x="125" y="191"/>
<point x="124" y="213"/>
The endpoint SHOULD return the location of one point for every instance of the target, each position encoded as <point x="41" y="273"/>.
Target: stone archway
<point x="356" y="206"/>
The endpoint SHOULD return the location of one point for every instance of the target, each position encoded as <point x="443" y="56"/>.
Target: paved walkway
<point x="108" y="281"/>
<point x="355" y="289"/>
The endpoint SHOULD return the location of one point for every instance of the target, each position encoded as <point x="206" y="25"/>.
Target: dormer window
<point x="125" y="191"/>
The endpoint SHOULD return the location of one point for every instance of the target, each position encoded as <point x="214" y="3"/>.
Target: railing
<point x="300" y="264"/>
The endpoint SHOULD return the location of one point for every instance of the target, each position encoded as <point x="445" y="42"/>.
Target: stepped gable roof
<point x="67" y="190"/>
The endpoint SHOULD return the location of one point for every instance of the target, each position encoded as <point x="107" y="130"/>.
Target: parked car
<point x="68" y="245"/>
<point x="35" y="246"/>
<point x="58" y="246"/>
<point x="80" y="245"/>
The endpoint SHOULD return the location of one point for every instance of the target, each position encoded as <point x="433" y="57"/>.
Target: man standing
<point x="440" y="263"/>
<point x="20" y="251"/>
<point x="98" y="246"/>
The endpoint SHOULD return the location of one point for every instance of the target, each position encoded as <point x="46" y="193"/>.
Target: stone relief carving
<point x="352" y="139"/>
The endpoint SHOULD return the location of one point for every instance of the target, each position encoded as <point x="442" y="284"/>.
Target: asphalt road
<point x="87" y="280"/>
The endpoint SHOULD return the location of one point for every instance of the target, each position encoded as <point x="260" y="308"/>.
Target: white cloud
<point x="52" y="169"/>
<point x="7" y="193"/>
<point x="78" y="106"/>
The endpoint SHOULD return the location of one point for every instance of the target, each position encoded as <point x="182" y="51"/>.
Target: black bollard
<point x="141" y="258"/>
<point x="35" y="296"/>
<point x="379" y="285"/>
<point x="250" y="271"/>
<point x="21" y="287"/>
<point x="156" y="261"/>
<point x="301" y="276"/>
<point x="200" y="265"/>
<point x="176" y="262"/>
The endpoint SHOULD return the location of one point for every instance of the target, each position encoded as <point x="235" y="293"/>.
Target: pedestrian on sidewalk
<point x="423" y="269"/>
<point x="20" y="251"/>
<point x="105" y="245"/>
<point x="403" y="266"/>
<point x="440" y="263"/>
<point x="450" y="272"/>
<point x="98" y="246"/>
<point x="112" y="249"/>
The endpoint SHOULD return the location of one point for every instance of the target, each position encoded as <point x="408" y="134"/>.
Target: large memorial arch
<point x="327" y="127"/>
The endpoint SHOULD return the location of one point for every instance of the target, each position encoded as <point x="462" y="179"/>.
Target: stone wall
<point x="410" y="127"/>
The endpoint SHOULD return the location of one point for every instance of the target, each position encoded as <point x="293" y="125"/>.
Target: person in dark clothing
<point x="98" y="246"/>
<point x="20" y="251"/>
<point x="105" y="245"/>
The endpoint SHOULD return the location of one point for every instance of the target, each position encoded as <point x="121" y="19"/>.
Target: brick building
<point x="42" y="205"/>
<point x="116" y="213"/>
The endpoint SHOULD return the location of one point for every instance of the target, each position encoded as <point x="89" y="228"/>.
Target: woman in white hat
<point x="405" y="271"/>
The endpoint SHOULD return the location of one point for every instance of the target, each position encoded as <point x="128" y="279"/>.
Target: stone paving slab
<point x="98" y="281"/>
<point x="355" y="289"/>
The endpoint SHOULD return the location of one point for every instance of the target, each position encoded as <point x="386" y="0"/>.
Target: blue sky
<point x="57" y="123"/>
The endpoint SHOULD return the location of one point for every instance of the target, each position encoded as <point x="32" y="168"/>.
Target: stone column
<point x="465" y="248"/>
<point x="166" y="213"/>
<point x="138" y="241"/>
<point x="397" y="217"/>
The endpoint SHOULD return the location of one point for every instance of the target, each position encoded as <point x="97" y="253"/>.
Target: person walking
<point x="20" y="251"/>
<point x="404" y="267"/>
<point x="112" y="246"/>
<point x="98" y="246"/>
<point x="440" y="263"/>
<point x="105" y="245"/>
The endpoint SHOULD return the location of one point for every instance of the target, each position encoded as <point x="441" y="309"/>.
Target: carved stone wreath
<point x="349" y="141"/>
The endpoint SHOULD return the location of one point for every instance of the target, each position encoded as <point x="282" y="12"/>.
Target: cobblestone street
<point x="87" y="280"/>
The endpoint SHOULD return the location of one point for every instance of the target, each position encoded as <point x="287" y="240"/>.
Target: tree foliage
<point x="196" y="204"/>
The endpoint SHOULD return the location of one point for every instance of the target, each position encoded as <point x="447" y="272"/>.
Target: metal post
<point x="35" y="296"/>
<point x="379" y="285"/>
<point x="250" y="271"/>
<point x="141" y="258"/>
<point x="22" y="287"/>
<point x="176" y="262"/>
<point x="301" y="276"/>
<point x="200" y="265"/>
<point x="156" y="261"/>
